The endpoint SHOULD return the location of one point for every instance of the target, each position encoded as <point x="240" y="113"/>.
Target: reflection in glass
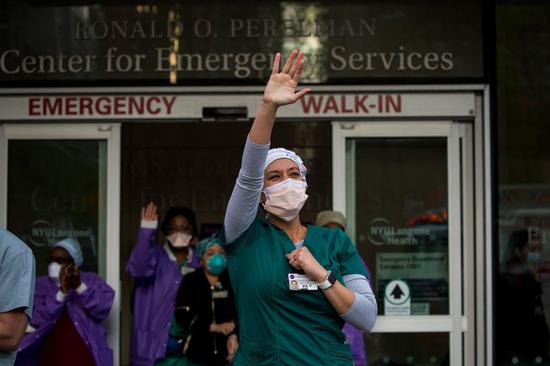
<point x="306" y="22"/>
<point x="57" y="189"/>
<point x="419" y="349"/>
<point x="399" y="197"/>
<point x="521" y="323"/>
<point x="233" y="42"/>
<point x="523" y="159"/>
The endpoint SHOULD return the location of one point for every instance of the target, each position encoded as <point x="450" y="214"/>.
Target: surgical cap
<point x="207" y="243"/>
<point x="327" y="217"/>
<point x="73" y="248"/>
<point x="281" y="153"/>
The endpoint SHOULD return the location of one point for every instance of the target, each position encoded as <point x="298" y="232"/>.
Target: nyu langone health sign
<point x="235" y="42"/>
<point x="180" y="107"/>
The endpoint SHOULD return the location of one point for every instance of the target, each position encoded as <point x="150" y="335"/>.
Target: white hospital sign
<point x="397" y="298"/>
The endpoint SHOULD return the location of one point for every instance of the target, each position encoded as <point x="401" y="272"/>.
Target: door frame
<point x="110" y="132"/>
<point x="461" y="248"/>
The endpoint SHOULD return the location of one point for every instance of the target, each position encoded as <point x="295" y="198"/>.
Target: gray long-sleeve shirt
<point x="241" y="212"/>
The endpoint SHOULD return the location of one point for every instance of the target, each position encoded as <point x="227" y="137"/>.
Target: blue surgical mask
<point x="216" y="264"/>
<point x="533" y="257"/>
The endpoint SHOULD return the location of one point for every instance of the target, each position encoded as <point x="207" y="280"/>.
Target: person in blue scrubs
<point x="17" y="277"/>
<point x="295" y="285"/>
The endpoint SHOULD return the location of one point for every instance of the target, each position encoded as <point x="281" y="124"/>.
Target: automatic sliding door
<point x="403" y="201"/>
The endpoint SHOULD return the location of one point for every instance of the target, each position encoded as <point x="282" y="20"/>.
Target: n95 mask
<point x="53" y="271"/>
<point x="216" y="264"/>
<point x="179" y="239"/>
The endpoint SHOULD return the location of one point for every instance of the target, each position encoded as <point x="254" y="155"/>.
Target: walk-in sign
<point x="397" y="298"/>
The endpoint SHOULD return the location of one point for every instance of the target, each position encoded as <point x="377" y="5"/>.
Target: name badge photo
<point x="301" y="282"/>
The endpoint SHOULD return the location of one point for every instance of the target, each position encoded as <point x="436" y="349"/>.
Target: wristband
<point x="328" y="282"/>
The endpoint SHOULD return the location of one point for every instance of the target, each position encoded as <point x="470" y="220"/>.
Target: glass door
<point x="60" y="181"/>
<point x="400" y="185"/>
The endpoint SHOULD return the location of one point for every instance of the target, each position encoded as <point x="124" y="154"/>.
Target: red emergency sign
<point x="83" y="106"/>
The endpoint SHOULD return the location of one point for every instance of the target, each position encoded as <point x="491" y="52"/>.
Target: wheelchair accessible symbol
<point x="397" y="298"/>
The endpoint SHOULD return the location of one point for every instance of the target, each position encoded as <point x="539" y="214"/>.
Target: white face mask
<point x="179" y="239"/>
<point x="286" y="199"/>
<point x="53" y="271"/>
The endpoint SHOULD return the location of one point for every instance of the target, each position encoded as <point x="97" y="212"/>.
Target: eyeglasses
<point x="180" y="228"/>
<point x="60" y="260"/>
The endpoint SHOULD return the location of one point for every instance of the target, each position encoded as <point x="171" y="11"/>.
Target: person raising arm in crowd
<point x="294" y="285"/>
<point x="158" y="270"/>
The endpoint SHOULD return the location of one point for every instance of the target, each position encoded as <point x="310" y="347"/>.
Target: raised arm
<point x="280" y="90"/>
<point x="143" y="259"/>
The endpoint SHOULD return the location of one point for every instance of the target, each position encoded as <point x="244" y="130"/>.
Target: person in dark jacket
<point x="522" y="331"/>
<point x="205" y="309"/>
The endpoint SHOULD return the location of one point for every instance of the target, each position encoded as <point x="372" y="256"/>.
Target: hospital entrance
<point x="406" y="175"/>
<point x="195" y="165"/>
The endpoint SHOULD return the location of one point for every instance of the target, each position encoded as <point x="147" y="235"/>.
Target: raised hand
<point x="149" y="213"/>
<point x="281" y="87"/>
<point x="69" y="277"/>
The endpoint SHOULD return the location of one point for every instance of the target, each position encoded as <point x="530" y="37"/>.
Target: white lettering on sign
<point x="241" y="65"/>
<point x="351" y="104"/>
<point x="152" y="29"/>
<point x="12" y="62"/>
<point x="412" y="265"/>
<point x="382" y="232"/>
<point x="100" y="106"/>
<point x="43" y="233"/>
<point x="401" y="60"/>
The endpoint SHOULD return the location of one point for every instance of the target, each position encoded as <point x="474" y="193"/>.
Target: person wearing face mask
<point x="69" y="309"/>
<point x="158" y="271"/>
<point x="278" y="324"/>
<point x="205" y="332"/>
<point x="337" y="220"/>
<point x="521" y="322"/>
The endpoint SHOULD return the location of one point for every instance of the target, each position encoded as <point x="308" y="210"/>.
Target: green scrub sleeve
<point x="350" y="261"/>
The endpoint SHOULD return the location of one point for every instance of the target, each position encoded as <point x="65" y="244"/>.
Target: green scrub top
<point x="279" y="326"/>
<point x="177" y="332"/>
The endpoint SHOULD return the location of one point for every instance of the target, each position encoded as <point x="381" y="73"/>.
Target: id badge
<point x="222" y="294"/>
<point x="301" y="282"/>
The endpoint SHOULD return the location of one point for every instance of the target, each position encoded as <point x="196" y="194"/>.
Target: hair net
<point x="207" y="243"/>
<point x="281" y="153"/>
<point x="73" y="247"/>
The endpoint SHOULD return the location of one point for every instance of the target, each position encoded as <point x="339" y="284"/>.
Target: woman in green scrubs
<point x="294" y="285"/>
